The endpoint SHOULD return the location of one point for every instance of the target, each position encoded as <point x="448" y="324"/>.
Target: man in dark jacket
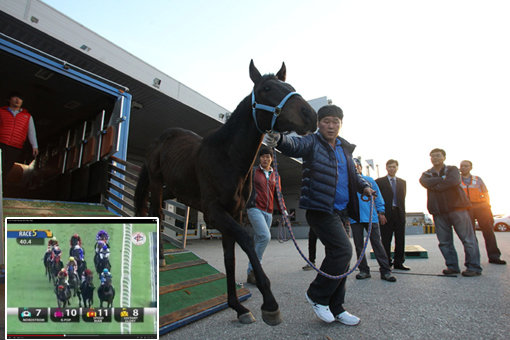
<point x="448" y="203"/>
<point x="329" y="190"/>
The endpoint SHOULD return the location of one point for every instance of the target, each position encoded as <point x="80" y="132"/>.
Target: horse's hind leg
<point x="156" y="190"/>
<point x="270" y="310"/>
<point x="243" y="314"/>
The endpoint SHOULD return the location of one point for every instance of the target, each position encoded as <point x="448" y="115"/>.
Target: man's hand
<point x="272" y="139"/>
<point x="368" y="192"/>
<point x="35" y="152"/>
<point x="382" y="219"/>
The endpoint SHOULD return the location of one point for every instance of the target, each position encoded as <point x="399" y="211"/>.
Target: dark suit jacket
<point x="385" y="187"/>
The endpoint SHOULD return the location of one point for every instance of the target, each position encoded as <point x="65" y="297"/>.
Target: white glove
<point x="272" y="139"/>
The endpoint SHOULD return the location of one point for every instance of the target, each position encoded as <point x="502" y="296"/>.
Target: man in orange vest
<point x="15" y="125"/>
<point x="480" y="209"/>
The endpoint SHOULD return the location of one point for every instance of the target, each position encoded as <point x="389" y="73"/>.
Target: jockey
<point x="81" y="253"/>
<point x="86" y="273"/>
<point x="62" y="276"/>
<point x="55" y="252"/>
<point x="102" y="239"/>
<point x="104" y="252"/>
<point x="76" y="238"/>
<point x="105" y="275"/>
<point x="71" y="266"/>
<point x="51" y="243"/>
<point x="102" y="235"/>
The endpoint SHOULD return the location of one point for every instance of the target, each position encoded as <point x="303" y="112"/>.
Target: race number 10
<point x="65" y="314"/>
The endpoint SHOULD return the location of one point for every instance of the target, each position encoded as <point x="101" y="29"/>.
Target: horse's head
<point x="277" y="105"/>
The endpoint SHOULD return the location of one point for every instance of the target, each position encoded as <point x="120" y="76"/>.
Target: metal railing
<point x="119" y="198"/>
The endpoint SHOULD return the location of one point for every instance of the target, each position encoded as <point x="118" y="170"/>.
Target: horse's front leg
<point x="243" y="314"/>
<point x="223" y="221"/>
<point x="79" y="298"/>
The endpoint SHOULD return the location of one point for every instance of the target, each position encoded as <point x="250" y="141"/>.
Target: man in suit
<point x="393" y="190"/>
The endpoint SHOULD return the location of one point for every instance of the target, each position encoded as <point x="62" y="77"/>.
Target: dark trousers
<point x="375" y="240"/>
<point x="483" y="214"/>
<point x="330" y="231"/>
<point x="312" y="245"/>
<point x="10" y="155"/>
<point x="395" y="225"/>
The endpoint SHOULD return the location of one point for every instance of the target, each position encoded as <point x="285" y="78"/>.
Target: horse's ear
<point x="254" y="73"/>
<point x="282" y="74"/>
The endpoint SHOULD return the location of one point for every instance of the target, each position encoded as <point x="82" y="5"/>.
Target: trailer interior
<point x="70" y="119"/>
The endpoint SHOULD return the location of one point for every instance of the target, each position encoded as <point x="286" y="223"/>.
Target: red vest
<point x="13" y="130"/>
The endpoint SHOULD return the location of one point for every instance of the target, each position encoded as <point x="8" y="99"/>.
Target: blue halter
<point x="275" y="110"/>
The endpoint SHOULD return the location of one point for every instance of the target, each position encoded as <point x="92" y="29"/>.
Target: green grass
<point x="180" y="299"/>
<point x="184" y="274"/>
<point x="29" y="287"/>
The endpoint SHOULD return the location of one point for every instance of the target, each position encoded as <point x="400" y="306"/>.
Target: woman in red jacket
<point x="260" y="204"/>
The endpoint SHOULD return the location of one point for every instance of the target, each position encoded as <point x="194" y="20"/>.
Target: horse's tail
<point x="142" y="192"/>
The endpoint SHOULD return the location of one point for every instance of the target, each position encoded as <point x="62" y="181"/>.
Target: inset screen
<point x="82" y="278"/>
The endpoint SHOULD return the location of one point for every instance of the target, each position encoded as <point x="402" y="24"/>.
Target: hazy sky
<point x="409" y="75"/>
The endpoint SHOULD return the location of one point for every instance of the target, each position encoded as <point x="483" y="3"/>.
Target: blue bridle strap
<point x="275" y="110"/>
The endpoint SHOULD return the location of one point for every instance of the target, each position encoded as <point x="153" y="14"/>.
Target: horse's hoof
<point x="246" y="318"/>
<point x="272" y="318"/>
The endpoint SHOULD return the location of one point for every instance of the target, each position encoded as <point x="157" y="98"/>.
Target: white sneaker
<point x="321" y="311"/>
<point x="347" y="319"/>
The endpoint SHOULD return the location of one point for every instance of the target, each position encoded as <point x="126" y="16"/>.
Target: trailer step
<point x="410" y="251"/>
<point x="190" y="289"/>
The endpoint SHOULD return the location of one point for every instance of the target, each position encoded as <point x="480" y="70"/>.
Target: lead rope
<point x="286" y="222"/>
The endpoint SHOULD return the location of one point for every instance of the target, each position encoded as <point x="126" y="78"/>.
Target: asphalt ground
<point x="420" y="305"/>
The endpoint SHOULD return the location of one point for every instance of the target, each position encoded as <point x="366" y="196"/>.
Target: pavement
<point x="420" y="305"/>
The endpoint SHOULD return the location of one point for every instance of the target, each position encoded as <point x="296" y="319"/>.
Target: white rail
<point x="125" y="278"/>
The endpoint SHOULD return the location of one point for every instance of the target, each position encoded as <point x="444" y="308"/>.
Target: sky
<point x="409" y="75"/>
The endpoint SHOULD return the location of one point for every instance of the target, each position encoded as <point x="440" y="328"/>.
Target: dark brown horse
<point x="213" y="174"/>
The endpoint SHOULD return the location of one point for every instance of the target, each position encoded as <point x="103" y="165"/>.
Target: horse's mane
<point x="240" y="114"/>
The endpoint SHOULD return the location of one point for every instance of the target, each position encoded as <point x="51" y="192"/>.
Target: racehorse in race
<point x="213" y="174"/>
<point x="54" y="268"/>
<point x="74" y="284"/>
<point x="101" y="263"/>
<point x="63" y="295"/>
<point x="106" y="293"/>
<point x="87" y="292"/>
<point x="78" y="254"/>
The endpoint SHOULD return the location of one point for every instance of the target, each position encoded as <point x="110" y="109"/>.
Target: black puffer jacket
<point x="444" y="193"/>
<point x="318" y="185"/>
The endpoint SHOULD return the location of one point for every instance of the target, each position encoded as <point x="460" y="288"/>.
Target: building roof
<point x="155" y="106"/>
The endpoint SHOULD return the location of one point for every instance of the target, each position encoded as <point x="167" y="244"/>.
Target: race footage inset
<point x="81" y="277"/>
